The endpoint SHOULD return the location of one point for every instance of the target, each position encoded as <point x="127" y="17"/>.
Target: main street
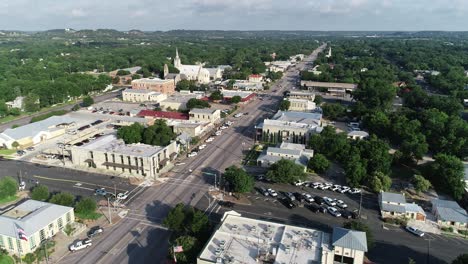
<point x="139" y="238"/>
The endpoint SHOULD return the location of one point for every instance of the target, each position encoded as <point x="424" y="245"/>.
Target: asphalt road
<point x="25" y="120"/>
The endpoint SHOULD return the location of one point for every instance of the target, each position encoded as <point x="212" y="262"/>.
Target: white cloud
<point x="78" y="12"/>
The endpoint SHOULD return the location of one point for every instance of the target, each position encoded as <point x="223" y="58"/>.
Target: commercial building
<point x="449" y="214"/>
<point x="139" y="96"/>
<point x="244" y="95"/>
<point x="151" y="114"/>
<point x="306" y="95"/>
<point x="334" y="89"/>
<point x="289" y="126"/>
<point x="112" y="155"/>
<point x="301" y="105"/>
<point x="37" y="132"/>
<point x="154" y="84"/>
<point x="278" y="66"/>
<point x="245" y="240"/>
<point x="205" y="115"/>
<point x="394" y="205"/>
<point x="255" y="78"/>
<point x="296" y="152"/>
<point x="247" y="86"/>
<point x="38" y="220"/>
<point x="178" y="101"/>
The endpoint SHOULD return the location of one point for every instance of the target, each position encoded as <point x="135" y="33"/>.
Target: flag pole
<point x="18" y="242"/>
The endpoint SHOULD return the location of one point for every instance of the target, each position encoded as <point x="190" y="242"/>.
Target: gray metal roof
<point x="412" y="207"/>
<point x="38" y="216"/>
<point x="31" y="130"/>
<point x="349" y="239"/>
<point x="393" y="208"/>
<point x="284" y="151"/>
<point x="392" y="197"/>
<point x="203" y="110"/>
<point x="450" y="211"/>
<point x="298" y="117"/>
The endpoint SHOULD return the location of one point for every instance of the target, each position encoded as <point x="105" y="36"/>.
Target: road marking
<point x="74" y="181"/>
<point x="85" y="188"/>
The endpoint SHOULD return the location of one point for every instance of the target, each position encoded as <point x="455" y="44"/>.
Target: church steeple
<point x="177" y="62"/>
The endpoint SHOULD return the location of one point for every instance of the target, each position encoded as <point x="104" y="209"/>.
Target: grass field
<point x="7" y="152"/>
<point x="4" y="259"/>
<point x="89" y="216"/>
<point x="8" y="199"/>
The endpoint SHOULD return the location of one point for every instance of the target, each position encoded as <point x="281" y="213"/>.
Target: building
<point x="205" y="115"/>
<point x="178" y="101"/>
<point x="140" y="96"/>
<point x="244" y="95"/>
<point x="154" y="84"/>
<point x="301" y="105"/>
<point x="247" y="86"/>
<point x="215" y="73"/>
<point x="334" y="89"/>
<point x="329" y="54"/>
<point x="289" y="126"/>
<point x="301" y="95"/>
<point x="151" y="114"/>
<point x="37" y="132"/>
<point x="191" y="129"/>
<point x="192" y="72"/>
<point x="17" y="103"/>
<point x="394" y="205"/>
<point x="127" y="78"/>
<point x="296" y="152"/>
<point x="39" y="220"/>
<point x="449" y="214"/>
<point x="255" y="78"/>
<point x="278" y="66"/>
<point x="358" y="135"/>
<point x="245" y="240"/>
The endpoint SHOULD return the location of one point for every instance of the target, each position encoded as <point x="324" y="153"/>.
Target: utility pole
<point x="108" y="207"/>
<point x="360" y="205"/>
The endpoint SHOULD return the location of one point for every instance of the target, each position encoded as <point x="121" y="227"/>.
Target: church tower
<point x="165" y="71"/>
<point x="177" y="62"/>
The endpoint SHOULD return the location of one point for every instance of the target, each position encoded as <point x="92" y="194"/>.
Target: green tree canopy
<point x="380" y="182"/>
<point x="191" y="248"/>
<point x="238" y="179"/>
<point x="286" y="171"/>
<point x="131" y="134"/>
<point x="65" y="199"/>
<point x="236" y="99"/>
<point x="284" y="105"/>
<point x="446" y="174"/>
<point x="318" y="163"/>
<point x="8" y="187"/>
<point x="461" y="259"/>
<point x="86" y="206"/>
<point x="216" y="95"/>
<point x="421" y="184"/>
<point x="176" y="219"/>
<point x="333" y="111"/>
<point x="40" y="193"/>
<point x="87" y="101"/>
<point x="197" y="103"/>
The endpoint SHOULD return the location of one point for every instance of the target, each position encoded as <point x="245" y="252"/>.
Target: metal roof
<point x="35" y="216"/>
<point x="392" y="197"/>
<point x="351" y="86"/>
<point x="140" y="91"/>
<point x="412" y="207"/>
<point x="31" y="130"/>
<point x="293" y="152"/>
<point x="393" y="208"/>
<point x="349" y="239"/>
<point x="450" y="211"/>
<point x="298" y="117"/>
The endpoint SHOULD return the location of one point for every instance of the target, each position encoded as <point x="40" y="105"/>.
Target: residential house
<point x="17" y="103"/>
<point x="449" y="214"/>
<point x="394" y="205"/>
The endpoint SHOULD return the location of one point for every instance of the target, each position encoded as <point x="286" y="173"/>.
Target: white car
<point x="210" y="139"/>
<point x="223" y="127"/>
<point x="335" y="188"/>
<point x="341" y="204"/>
<point x="122" y="196"/>
<point x="299" y="183"/>
<point x="308" y="197"/>
<point x="329" y="201"/>
<point x="354" y="191"/>
<point x="333" y="211"/>
<point x="344" y="189"/>
<point x="272" y="192"/>
<point x="22" y="186"/>
<point x="192" y="154"/>
<point x="202" y="146"/>
<point x="415" y="231"/>
<point x="80" y="245"/>
<point x="238" y="115"/>
<point x="218" y="133"/>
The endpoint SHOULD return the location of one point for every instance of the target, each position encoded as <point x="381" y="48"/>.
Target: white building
<point x="301" y="95"/>
<point x="278" y="66"/>
<point x="255" y="78"/>
<point x="192" y="72"/>
<point x="39" y="220"/>
<point x="296" y="152"/>
<point x="112" y="155"/>
<point x="250" y="241"/>
<point x="17" y="103"/>
<point x="139" y="96"/>
<point x="205" y="115"/>
<point x="178" y="101"/>
<point x="301" y="105"/>
<point x="358" y="135"/>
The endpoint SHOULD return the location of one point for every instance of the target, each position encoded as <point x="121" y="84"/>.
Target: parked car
<point x="100" y="191"/>
<point x="263" y="191"/>
<point x="30" y="149"/>
<point x="122" y="196"/>
<point x="288" y="203"/>
<point x="354" y="191"/>
<point x="346" y="214"/>
<point x="80" y="245"/>
<point x="299" y="183"/>
<point x="238" y="115"/>
<point x="341" y="204"/>
<point x="95" y="231"/>
<point x="192" y="154"/>
<point x="202" y="146"/>
<point x="344" y="189"/>
<point x="313" y="207"/>
<point x="272" y="192"/>
<point x="290" y="196"/>
<point x="20" y="152"/>
<point x="333" y="211"/>
<point x="308" y="197"/>
<point x="315" y="185"/>
<point x="323" y="208"/>
<point x="415" y="231"/>
<point x="299" y="197"/>
<point x="218" y="133"/>
<point x="319" y="200"/>
<point x="210" y="139"/>
<point x="329" y="201"/>
<point x="22" y="186"/>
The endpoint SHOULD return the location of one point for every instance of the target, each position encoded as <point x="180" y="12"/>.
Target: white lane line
<point x="84" y="188"/>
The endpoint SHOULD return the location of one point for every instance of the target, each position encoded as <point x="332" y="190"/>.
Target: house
<point x="112" y="155"/>
<point x="39" y="220"/>
<point x="239" y="239"/>
<point x="205" y="115"/>
<point x="349" y="245"/>
<point x="301" y="105"/>
<point x="449" y="214"/>
<point x="140" y="96"/>
<point x="296" y="152"/>
<point x="154" y="84"/>
<point x="255" y="78"/>
<point x="394" y="205"/>
<point x="17" y="103"/>
<point x="358" y="135"/>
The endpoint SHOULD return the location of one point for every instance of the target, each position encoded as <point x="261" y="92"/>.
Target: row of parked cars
<point x="328" y="186"/>
<point x="210" y="139"/>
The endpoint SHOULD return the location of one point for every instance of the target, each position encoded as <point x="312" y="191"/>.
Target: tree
<point x="199" y="223"/>
<point x="318" y="163"/>
<point x="411" y="261"/>
<point x="31" y="103"/>
<point x="286" y="171"/>
<point x="216" y="95"/>
<point x="87" y="101"/>
<point x="75" y="108"/>
<point x="176" y="218"/>
<point x="131" y="134"/>
<point x="421" y="184"/>
<point x="15" y="144"/>
<point x="29" y="258"/>
<point x="360" y="226"/>
<point x="190" y="248"/>
<point x="284" y="105"/>
<point x="186" y="85"/>
<point x="318" y="100"/>
<point x="236" y="99"/>
<point x="239" y="180"/>
<point x="380" y="182"/>
<point x="355" y="168"/>
<point x="446" y="173"/>
<point x="122" y="72"/>
<point x="159" y="134"/>
<point x="65" y="199"/>
<point x="197" y="103"/>
<point x="461" y="259"/>
<point x="86" y="206"/>
<point x="333" y="111"/>
<point x="40" y="193"/>
<point x="8" y="187"/>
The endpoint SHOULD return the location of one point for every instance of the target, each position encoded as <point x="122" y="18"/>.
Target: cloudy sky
<point x="235" y="14"/>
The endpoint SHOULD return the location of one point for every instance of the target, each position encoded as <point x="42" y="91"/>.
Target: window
<point x="32" y="243"/>
<point x="51" y="226"/>
<point x="10" y="243"/>
<point x="68" y="216"/>
<point x="60" y="222"/>
<point x="18" y="244"/>
<point x="2" y="243"/>
<point x="42" y="234"/>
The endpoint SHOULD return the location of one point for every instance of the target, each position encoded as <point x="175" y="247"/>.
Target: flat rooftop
<point x="350" y="86"/>
<point x="111" y="144"/>
<point x="140" y="91"/>
<point x="152" y="81"/>
<point x="244" y="240"/>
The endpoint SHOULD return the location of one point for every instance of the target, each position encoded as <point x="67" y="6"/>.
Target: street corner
<point x="229" y="197"/>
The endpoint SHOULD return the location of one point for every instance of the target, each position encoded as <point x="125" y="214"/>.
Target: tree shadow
<point x="384" y="253"/>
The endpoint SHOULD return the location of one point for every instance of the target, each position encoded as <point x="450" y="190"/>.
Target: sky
<point x="165" y="15"/>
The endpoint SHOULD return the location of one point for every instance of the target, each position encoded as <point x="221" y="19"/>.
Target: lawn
<point x="8" y="118"/>
<point x="5" y="259"/>
<point x="7" y="152"/>
<point x="88" y="216"/>
<point x="8" y="199"/>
